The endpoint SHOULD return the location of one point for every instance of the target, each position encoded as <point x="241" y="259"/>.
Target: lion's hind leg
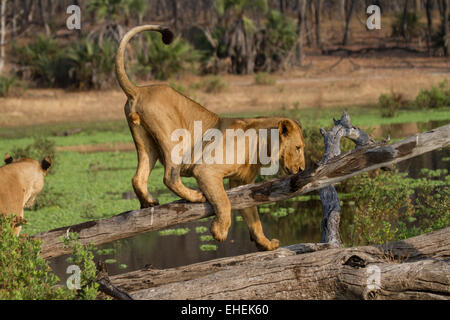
<point x="148" y="154"/>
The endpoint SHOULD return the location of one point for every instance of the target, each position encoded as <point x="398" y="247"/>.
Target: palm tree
<point x="238" y="37"/>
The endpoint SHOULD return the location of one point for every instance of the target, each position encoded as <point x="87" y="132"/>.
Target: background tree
<point x="2" y="34"/>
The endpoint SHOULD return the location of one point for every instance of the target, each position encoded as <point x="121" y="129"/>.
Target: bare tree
<point x="348" y="19"/>
<point x="44" y="17"/>
<point x="404" y="27"/>
<point x="343" y="15"/>
<point x="445" y="26"/>
<point x="317" y="11"/>
<point x="2" y="34"/>
<point x="301" y="7"/>
<point x="428" y="9"/>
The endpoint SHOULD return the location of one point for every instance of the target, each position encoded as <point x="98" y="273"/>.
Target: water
<point x="301" y="225"/>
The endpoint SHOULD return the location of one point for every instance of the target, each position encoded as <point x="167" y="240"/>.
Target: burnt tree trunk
<point x="338" y="169"/>
<point x="416" y="268"/>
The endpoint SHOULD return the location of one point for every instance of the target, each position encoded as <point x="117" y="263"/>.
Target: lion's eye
<point x="299" y="148"/>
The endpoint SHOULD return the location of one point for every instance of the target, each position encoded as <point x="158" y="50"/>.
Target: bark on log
<point x="416" y="268"/>
<point x="360" y="160"/>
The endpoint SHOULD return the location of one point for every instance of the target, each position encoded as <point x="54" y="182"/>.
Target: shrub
<point x="24" y="275"/>
<point x="437" y="97"/>
<point x="83" y="257"/>
<point x="92" y="64"/>
<point x="84" y="65"/>
<point x="9" y="85"/>
<point x="392" y="206"/>
<point x="414" y="28"/>
<point x="164" y="61"/>
<point x="214" y="84"/>
<point x="280" y="37"/>
<point x="39" y="149"/>
<point x="391" y="104"/>
<point x="263" y="78"/>
<point x="43" y="61"/>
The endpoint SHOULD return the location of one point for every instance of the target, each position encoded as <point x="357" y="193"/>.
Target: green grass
<point x="361" y="116"/>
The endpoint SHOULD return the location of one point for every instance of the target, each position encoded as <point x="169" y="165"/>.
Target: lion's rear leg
<point x="147" y="156"/>
<point x="251" y="217"/>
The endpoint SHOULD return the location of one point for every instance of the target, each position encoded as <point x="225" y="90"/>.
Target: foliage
<point x="164" y="61"/>
<point x="437" y="97"/>
<point x="280" y="38"/>
<point x="264" y="79"/>
<point x="414" y="28"/>
<point x="83" y="257"/>
<point x="109" y="10"/>
<point x="39" y="149"/>
<point x="24" y="275"/>
<point x="392" y="206"/>
<point x="391" y="104"/>
<point x="432" y="204"/>
<point x="208" y="247"/>
<point x="92" y="64"/>
<point x="238" y="7"/>
<point x="174" y="232"/>
<point x="214" y="84"/>
<point x="9" y="85"/>
<point x="43" y="61"/>
<point x="83" y="64"/>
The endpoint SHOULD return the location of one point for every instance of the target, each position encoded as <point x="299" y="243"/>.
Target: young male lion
<point x="155" y="112"/>
<point x="20" y="182"/>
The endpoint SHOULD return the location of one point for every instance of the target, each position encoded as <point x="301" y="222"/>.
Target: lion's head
<point x="34" y="170"/>
<point x="292" y="146"/>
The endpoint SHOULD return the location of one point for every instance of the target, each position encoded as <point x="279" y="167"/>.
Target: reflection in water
<point x="300" y="226"/>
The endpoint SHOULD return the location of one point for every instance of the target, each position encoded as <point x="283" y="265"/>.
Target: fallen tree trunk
<point x="416" y="268"/>
<point x="360" y="160"/>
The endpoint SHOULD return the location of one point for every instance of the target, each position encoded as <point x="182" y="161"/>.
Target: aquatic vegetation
<point x="208" y="247"/>
<point x="174" y="232"/>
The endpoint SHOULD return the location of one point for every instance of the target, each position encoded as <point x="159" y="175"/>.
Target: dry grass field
<point x="325" y="81"/>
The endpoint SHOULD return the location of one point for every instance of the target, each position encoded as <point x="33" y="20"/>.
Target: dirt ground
<point x="324" y="81"/>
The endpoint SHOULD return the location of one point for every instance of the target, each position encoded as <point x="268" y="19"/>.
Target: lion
<point x="21" y="181"/>
<point x="154" y="112"/>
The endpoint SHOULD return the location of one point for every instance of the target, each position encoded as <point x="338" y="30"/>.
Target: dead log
<point x="331" y="207"/>
<point x="416" y="268"/>
<point x="340" y="168"/>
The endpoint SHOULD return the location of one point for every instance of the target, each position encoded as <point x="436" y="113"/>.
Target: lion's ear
<point x="46" y="163"/>
<point x="8" y="159"/>
<point x="285" y="127"/>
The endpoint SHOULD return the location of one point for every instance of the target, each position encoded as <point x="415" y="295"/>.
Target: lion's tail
<point x="127" y="86"/>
